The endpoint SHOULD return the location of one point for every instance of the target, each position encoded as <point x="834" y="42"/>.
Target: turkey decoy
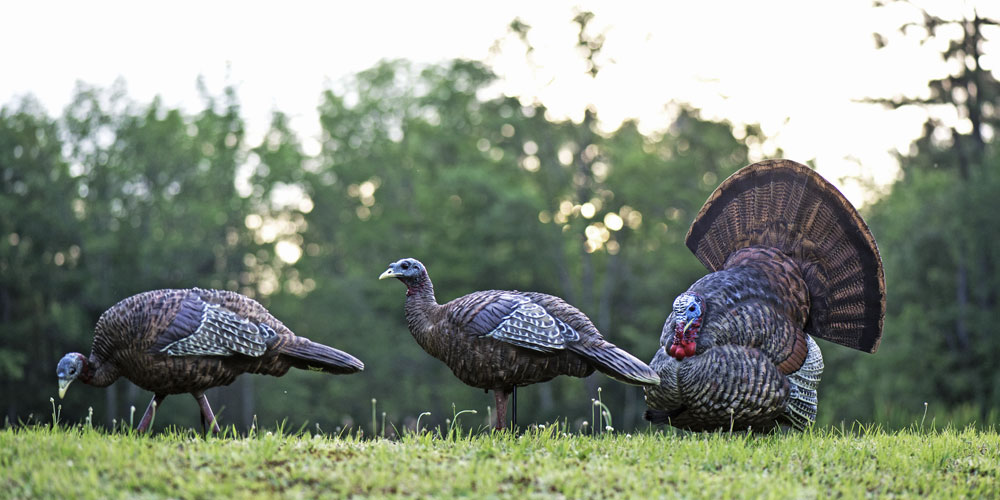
<point x="177" y="341"/>
<point x="791" y="259"/>
<point x="498" y="340"/>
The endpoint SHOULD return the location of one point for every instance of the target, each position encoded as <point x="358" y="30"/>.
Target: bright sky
<point x="795" y="67"/>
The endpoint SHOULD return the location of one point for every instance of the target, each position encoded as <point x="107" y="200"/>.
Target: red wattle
<point x="689" y="348"/>
<point x="682" y="349"/>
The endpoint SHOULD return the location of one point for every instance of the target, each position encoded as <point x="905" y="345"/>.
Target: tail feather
<point x="785" y="205"/>
<point x="617" y="363"/>
<point x="802" y="402"/>
<point x="308" y="355"/>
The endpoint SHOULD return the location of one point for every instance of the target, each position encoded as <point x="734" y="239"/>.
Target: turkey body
<point x="791" y="260"/>
<point x="189" y="340"/>
<point x="750" y="341"/>
<point x="498" y="340"/>
<point x="457" y="334"/>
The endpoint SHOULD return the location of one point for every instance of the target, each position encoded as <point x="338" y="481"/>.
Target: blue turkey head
<point x="689" y="311"/>
<point x="70" y="367"/>
<point x="410" y="271"/>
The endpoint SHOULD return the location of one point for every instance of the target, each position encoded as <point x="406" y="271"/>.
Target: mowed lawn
<point x="36" y="462"/>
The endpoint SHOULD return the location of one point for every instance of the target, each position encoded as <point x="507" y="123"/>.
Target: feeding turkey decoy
<point x="187" y="341"/>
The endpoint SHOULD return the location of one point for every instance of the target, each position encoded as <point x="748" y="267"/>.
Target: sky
<point x="798" y="68"/>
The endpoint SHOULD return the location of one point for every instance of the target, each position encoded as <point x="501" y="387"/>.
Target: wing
<point x="203" y="329"/>
<point x="515" y="319"/>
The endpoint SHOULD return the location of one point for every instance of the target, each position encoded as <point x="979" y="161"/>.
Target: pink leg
<point x="206" y="412"/>
<point x="147" y="418"/>
<point x="501" y="401"/>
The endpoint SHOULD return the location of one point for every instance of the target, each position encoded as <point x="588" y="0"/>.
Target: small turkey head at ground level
<point x="71" y="366"/>
<point x="689" y="309"/>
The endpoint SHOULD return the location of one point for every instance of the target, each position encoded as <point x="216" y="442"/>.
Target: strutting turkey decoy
<point x="498" y="340"/>
<point x="791" y="259"/>
<point x="187" y="341"/>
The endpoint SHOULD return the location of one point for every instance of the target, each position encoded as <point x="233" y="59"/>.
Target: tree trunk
<point x="973" y="37"/>
<point x="605" y="303"/>
<point x="133" y="397"/>
<point x="961" y="301"/>
<point x="4" y="305"/>
<point x="545" y="400"/>
<point x="111" y="403"/>
<point x="630" y="417"/>
<point x="247" y="401"/>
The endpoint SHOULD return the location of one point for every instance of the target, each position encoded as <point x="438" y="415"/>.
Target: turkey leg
<point x="501" y="401"/>
<point x="206" y="412"/>
<point x="147" y="418"/>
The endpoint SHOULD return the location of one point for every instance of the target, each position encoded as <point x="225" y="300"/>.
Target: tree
<point x="938" y="242"/>
<point x="40" y="254"/>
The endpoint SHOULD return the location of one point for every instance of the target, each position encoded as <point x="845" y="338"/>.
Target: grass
<point x="81" y="462"/>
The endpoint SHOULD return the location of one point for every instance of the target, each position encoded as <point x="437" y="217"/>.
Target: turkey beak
<point x="63" y="385"/>
<point x="389" y="273"/>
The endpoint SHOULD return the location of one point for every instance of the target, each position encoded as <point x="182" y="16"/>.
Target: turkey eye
<point x="405" y="266"/>
<point x="691" y="308"/>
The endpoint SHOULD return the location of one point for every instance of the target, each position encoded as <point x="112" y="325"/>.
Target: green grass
<point x="79" y="462"/>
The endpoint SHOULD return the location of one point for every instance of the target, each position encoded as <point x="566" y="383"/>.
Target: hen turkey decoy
<point x="791" y="259"/>
<point x="498" y="340"/>
<point x="177" y="341"/>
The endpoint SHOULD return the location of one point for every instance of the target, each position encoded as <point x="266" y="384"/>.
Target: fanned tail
<point x="801" y="410"/>
<point x="617" y="363"/>
<point x="785" y="205"/>
<point x="308" y="355"/>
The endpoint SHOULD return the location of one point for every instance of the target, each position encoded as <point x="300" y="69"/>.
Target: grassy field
<point x="78" y="462"/>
